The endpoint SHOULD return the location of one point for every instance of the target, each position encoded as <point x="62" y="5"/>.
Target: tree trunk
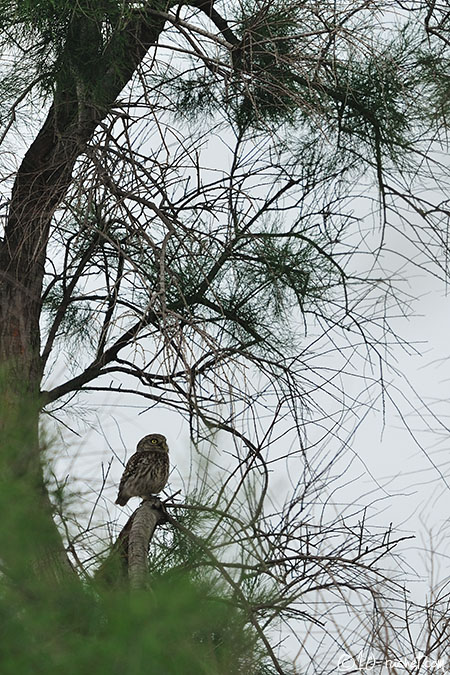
<point x="126" y="561"/>
<point x="145" y="520"/>
<point x="40" y="185"/>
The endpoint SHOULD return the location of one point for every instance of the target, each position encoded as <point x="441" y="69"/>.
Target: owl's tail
<point x="121" y="500"/>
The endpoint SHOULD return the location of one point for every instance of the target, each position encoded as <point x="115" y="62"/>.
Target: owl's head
<point x="153" y="442"/>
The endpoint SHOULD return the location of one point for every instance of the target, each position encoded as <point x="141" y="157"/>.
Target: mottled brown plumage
<point x="147" y="471"/>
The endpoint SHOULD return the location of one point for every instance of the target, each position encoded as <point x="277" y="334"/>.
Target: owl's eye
<point x="154" y="441"/>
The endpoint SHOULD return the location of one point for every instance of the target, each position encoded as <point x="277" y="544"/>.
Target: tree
<point x="178" y="274"/>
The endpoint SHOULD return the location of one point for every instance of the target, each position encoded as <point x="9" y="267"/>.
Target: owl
<point x="147" y="471"/>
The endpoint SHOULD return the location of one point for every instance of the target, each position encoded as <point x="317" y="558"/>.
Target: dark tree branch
<point x="207" y="6"/>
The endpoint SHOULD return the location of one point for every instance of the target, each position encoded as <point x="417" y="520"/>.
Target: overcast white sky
<point x="392" y="464"/>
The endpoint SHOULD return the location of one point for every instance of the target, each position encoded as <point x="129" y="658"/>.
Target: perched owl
<point x="147" y="471"/>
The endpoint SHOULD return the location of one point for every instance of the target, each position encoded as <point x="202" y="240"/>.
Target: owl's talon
<point x="154" y="501"/>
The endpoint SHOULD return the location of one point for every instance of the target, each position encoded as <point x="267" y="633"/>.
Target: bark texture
<point x="145" y="520"/>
